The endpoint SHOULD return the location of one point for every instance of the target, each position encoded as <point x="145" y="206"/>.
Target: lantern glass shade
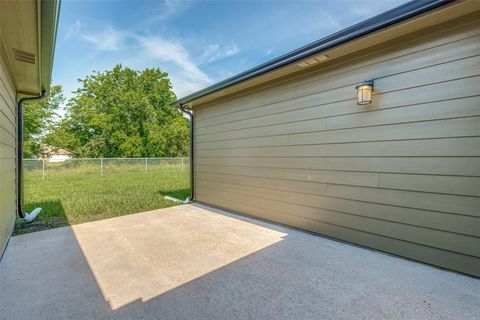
<point x="364" y="93"/>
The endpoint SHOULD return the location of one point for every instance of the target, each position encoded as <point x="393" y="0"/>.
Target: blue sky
<point x="197" y="42"/>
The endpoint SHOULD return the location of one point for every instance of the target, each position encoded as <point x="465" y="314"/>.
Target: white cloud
<point x="215" y="52"/>
<point x="108" y="39"/>
<point x="210" y="53"/>
<point x="164" y="10"/>
<point x="73" y="29"/>
<point x="168" y="8"/>
<point x="183" y="86"/>
<point x="322" y="21"/>
<point x="232" y="50"/>
<point x="190" y="77"/>
<point x="143" y="51"/>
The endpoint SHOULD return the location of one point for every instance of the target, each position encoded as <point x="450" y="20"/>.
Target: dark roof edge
<point x="383" y="20"/>
<point x="50" y="11"/>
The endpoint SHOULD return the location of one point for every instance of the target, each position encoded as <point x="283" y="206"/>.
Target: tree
<point x="38" y="121"/>
<point x="123" y="113"/>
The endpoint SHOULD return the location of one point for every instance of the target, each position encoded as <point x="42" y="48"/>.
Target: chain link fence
<point x="102" y="166"/>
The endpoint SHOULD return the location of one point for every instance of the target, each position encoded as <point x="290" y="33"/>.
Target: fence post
<point x="43" y="169"/>
<point x="101" y="166"/>
<point x="182" y="162"/>
<point x="146" y="165"/>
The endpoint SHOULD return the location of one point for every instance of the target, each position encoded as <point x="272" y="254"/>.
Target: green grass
<point x="70" y="196"/>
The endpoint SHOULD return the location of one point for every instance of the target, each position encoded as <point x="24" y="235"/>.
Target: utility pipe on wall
<point x="25" y="216"/>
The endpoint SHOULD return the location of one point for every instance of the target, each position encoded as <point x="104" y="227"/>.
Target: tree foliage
<point x="38" y="120"/>
<point x="123" y="113"/>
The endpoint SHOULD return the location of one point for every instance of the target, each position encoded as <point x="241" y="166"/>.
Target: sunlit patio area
<point x="196" y="262"/>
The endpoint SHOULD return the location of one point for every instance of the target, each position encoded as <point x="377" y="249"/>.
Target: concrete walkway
<point x="194" y="262"/>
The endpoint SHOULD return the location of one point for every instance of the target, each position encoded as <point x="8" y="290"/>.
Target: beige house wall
<point x="8" y="141"/>
<point x="401" y="175"/>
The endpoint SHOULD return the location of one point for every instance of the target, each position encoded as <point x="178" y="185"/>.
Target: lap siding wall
<point x="401" y="175"/>
<point x="8" y="141"/>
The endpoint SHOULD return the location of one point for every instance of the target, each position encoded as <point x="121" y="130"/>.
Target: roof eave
<point x="381" y="21"/>
<point x="50" y="11"/>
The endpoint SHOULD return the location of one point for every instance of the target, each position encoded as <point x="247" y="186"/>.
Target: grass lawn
<point x="70" y="197"/>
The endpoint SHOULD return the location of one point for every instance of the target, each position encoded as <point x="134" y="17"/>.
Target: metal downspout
<point x="21" y="214"/>
<point x="192" y="139"/>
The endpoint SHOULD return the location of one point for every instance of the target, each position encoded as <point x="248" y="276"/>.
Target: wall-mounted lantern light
<point x="364" y="92"/>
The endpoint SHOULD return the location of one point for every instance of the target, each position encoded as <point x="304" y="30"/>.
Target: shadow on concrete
<point x="288" y="274"/>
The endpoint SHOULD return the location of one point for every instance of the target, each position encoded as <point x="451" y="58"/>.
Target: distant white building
<point x="52" y="154"/>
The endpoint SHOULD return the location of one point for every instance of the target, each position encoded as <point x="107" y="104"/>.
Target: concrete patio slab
<point x="195" y="262"/>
